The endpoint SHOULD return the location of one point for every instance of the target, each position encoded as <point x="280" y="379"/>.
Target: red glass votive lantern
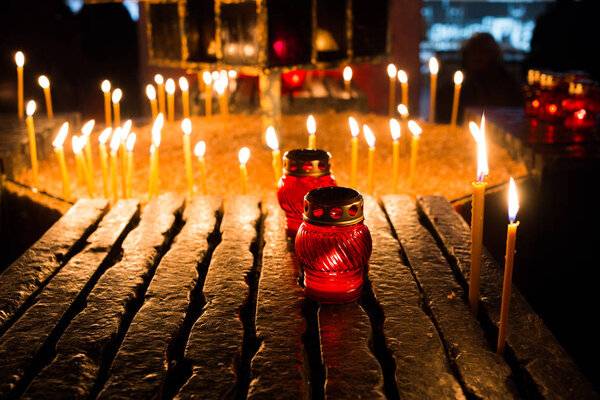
<point x="303" y="171"/>
<point x="333" y="245"/>
<point x="531" y="92"/>
<point x="582" y="105"/>
<point x="553" y="92"/>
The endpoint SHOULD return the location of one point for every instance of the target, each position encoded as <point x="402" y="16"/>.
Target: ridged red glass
<point x="290" y="193"/>
<point x="334" y="259"/>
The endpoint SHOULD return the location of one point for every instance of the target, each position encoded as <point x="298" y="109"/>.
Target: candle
<point x="151" y="94"/>
<point x="354" y="131"/>
<point x="124" y="134"/>
<point x="347" y="74"/>
<point x="395" y="131"/>
<point x="433" y="71"/>
<point x="458" y="79"/>
<point x="154" y="157"/>
<point x="105" y="86"/>
<point x="44" y="82"/>
<point x="160" y="84"/>
<point x="20" y="61"/>
<point x="370" y="138"/>
<point x="311" y="126"/>
<point x="244" y="156"/>
<point x="477" y="214"/>
<point x="116" y="98"/>
<point x="403" y="111"/>
<point x="86" y="131"/>
<point x="130" y="143"/>
<point x="170" y="89"/>
<point x="511" y="237"/>
<point x="221" y="88"/>
<point x="114" y="147"/>
<point x="391" y="70"/>
<point x="32" y="143"/>
<point x="185" y="96"/>
<point x="403" y="78"/>
<point x="60" y="154"/>
<point x="151" y="174"/>
<point x="78" y="142"/>
<point x="207" y="78"/>
<point x="102" y="139"/>
<point x="416" y="131"/>
<point x="199" y="152"/>
<point x="186" y="127"/>
<point x="273" y="143"/>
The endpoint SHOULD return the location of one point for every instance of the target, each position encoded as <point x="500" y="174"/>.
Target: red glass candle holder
<point x="582" y="105"/>
<point x="531" y="92"/>
<point x="333" y="245"/>
<point x="303" y="171"/>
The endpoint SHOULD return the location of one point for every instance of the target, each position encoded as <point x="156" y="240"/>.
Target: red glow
<point x="552" y="108"/>
<point x="580" y="114"/>
<point x="279" y="47"/>
<point x="535" y="103"/>
<point x="293" y="80"/>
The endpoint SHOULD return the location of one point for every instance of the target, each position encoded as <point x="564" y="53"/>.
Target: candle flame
<point x="207" y="78"/>
<point x="61" y="136"/>
<point x="44" y="82"/>
<point x="395" y="128"/>
<point x="311" y="125"/>
<point x="231" y="74"/>
<point x="170" y="86"/>
<point x="391" y="71"/>
<point x="580" y="114"/>
<point x="200" y="149"/>
<point x="215" y="75"/>
<point x="183" y="84"/>
<point x="116" y="95"/>
<point x="354" y="128"/>
<point x="30" y="108"/>
<point x="158" y="78"/>
<point x="347" y="74"/>
<point x="156" y="129"/>
<point x="105" y="86"/>
<point x="150" y="92"/>
<point x="19" y="59"/>
<point x="403" y="110"/>
<point x="513" y="201"/>
<point x="271" y="136"/>
<point x="130" y="141"/>
<point x="87" y="128"/>
<point x="152" y="149"/>
<point x="104" y="135"/>
<point x="186" y="126"/>
<point x="370" y="138"/>
<point x="458" y="78"/>
<point x="126" y="129"/>
<point x="474" y="131"/>
<point x="482" y="163"/>
<point x="77" y="142"/>
<point x="414" y="128"/>
<point x="402" y="77"/>
<point x="221" y="84"/>
<point x="244" y="155"/>
<point x="115" y="142"/>
<point x="434" y="66"/>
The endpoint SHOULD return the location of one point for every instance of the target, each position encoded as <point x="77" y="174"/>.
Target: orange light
<point x="513" y="201"/>
<point x="535" y="103"/>
<point x="580" y="114"/>
<point x="552" y="108"/>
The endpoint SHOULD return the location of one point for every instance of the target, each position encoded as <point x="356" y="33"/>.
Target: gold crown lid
<point x="306" y="162"/>
<point x="333" y="206"/>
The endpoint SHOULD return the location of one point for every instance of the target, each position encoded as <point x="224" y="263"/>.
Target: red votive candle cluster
<point x="333" y="245"/>
<point x="303" y="171"/>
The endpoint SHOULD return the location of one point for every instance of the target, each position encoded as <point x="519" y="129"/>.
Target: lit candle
<point x="403" y="111"/>
<point x="130" y="143"/>
<point x="403" y="78"/>
<point x="116" y="99"/>
<point x="124" y="134"/>
<point x="354" y="131"/>
<point x="86" y="131"/>
<point x="105" y="86"/>
<point x="477" y="214"/>
<point x="511" y="237"/>
<point x="395" y="131"/>
<point x="170" y="89"/>
<point x="160" y="84"/>
<point x="458" y="79"/>
<point x="199" y="152"/>
<point x="60" y="154"/>
<point x="20" y="61"/>
<point x="102" y="139"/>
<point x="273" y="143"/>
<point x="416" y="131"/>
<point x="311" y="127"/>
<point x="151" y="174"/>
<point x="78" y="142"/>
<point x="391" y="70"/>
<point x="44" y="82"/>
<point x="32" y="143"/>
<point x="221" y="88"/>
<point x="154" y="157"/>
<point x="434" y="67"/>
<point x="185" y="96"/>
<point x="244" y="156"/>
<point x="207" y="78"/>
<point x="370" y="138"/>
<point x="115" y="143"/>
<point x="151" y="93"/>
<point x="186" y="127"/>
<point x="347" y="74"/>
